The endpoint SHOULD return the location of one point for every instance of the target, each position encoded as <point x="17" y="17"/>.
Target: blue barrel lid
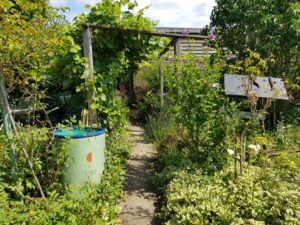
<point x="78" y="132"/>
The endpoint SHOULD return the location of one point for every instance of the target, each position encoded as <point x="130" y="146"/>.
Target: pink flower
<point x="213" y="36"/>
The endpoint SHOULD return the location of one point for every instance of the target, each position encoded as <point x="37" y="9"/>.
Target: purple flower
<point x="213" y="36"/>
<point x="165" y="93"/>
<point x="200" y="65"/>
<point x="170" y="58"/>
<point x="185" y="31"/>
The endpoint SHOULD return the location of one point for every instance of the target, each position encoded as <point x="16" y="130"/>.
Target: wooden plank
<point x="144" y="32"/>
<point x="88" y="54"/>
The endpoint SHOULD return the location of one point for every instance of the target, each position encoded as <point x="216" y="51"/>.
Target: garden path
<point x="140" y="204"/>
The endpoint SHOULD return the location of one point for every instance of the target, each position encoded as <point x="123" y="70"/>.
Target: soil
<point x="140" y="204"/>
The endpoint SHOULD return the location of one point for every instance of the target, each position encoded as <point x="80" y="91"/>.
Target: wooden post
<point x="88" y="54"/>
<point x="177" y="46"/>
<point x="5" y="110"/>
<point x="177" y="73"/>
<point x="161" y="83"/>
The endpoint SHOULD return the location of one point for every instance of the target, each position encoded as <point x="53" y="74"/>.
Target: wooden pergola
<point x="88" y="52"/>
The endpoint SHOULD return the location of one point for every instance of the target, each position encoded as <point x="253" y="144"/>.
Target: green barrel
<point x="86" y="154"/>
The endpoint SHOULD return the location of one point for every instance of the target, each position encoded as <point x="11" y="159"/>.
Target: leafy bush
<point x="198" y="184"/>
<point x="287" y="137"/>
<point x="196" y="111"/>
<point x="258" y="197"/>
<point x="48" y="162"/>
<point x="92" y="204"/>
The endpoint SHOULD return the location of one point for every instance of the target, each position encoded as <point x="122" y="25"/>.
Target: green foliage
<point x="287" y="137"/>
<point x="262" y="26"/>
<point x="91" y="204"/>
<point x="196" y="176"/>
<point x="48" y="162"/>
<point x="116" y="55"/>
<point x="265" y="26"/>
<point x="31" y="34"/>
<point x="196" y="102"/>
<point x="259" y="197"/>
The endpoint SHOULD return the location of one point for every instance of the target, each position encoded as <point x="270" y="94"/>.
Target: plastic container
<point x="86" y="153"/>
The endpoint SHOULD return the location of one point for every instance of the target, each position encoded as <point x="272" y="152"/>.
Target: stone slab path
<point x="140" y="204"/>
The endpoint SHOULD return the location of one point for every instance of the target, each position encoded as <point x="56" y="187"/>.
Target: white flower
<point x="255" y="148"/>
<point x="215" y="85"/>
<point x="258" y="147"/>
<point x="252" y="146"/>
<point x="230" y="151"/>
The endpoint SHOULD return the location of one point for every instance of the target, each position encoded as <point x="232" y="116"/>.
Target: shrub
<point x="48" y="162"/>
<point x="258" y="197"/>
<point x="92" y="204"/>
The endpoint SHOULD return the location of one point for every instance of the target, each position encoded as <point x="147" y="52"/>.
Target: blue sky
<point x="170" y="13"/>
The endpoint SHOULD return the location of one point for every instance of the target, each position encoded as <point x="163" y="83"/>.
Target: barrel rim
<point x="91" y="132"/>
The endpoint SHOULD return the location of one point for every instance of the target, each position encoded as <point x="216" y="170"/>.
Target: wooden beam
<point x="166" y="48"/>
<point x="88" y="54"/>
<point x="144" y="32"/>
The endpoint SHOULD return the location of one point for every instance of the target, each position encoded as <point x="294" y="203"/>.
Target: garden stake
<point x="9" y="124"/>
<point x="27" y="157"/>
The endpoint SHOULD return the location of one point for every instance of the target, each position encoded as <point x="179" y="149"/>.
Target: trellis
<point x="88" y="53"/>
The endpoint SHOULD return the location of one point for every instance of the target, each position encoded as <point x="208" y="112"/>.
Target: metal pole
<point x="5" y="111"/>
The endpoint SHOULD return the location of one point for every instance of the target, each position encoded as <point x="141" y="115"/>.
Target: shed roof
<point x="264" y="87"/>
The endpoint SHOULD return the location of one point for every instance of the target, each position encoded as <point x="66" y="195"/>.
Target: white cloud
<point x="179" y="13"/>
<point x="59" y="3"/>
<point x="84" y="2"/>
<point x="173" y="13"/>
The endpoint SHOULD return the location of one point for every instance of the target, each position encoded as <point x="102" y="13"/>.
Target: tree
<point x="30" y="34"/>
<point x="270" y="27"/>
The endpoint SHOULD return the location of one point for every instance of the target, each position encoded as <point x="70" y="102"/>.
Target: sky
<point x="170" y="13"/>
